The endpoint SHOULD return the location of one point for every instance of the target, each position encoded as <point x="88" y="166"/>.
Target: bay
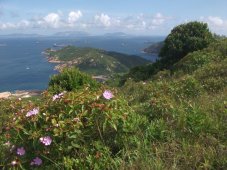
<point x="24" y="67"/>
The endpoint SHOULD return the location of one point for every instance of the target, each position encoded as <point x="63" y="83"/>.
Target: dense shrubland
<point x="174" y="119"/>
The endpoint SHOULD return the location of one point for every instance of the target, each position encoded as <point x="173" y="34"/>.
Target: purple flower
<point x="45" y="140"/>
<point x="36" y="161"/>
<point x="107" y="94"/>
<point x="20" y="151"/>
<point x="57" y="96"/>
<point x="35" y="111"/>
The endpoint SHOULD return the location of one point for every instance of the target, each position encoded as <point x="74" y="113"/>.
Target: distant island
<point x="93" y="61"/>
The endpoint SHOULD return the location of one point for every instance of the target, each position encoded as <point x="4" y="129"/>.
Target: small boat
<point x="2" y="45"/>
<point x="59" y="45"/>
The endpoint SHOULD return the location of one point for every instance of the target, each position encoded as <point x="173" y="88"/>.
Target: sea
<point x="23" y="66"/>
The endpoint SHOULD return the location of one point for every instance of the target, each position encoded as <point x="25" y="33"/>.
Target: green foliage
<point x="184" y="39"/>
<point x="96" y="61"/>
<point x="87" y="131"/>
<point x="71" y="80"/>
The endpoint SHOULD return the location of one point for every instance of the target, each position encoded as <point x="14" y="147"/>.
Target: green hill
<point x="95" y="61"/>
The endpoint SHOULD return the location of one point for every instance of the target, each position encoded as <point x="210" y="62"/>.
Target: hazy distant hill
<point x="95" y="61"/>
<point x="71" y="34"/>
<point x="18" y="35"/>
<point x="154" y="48"/>
<point x="117" y="34"/>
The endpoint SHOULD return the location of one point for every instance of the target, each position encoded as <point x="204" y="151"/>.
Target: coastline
<point x="60" y="65"/>
<point x="20" y="94"/>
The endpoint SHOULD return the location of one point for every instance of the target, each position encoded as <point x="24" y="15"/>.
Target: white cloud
<point x="104" y="19"/>
<point x="72" y="20"/>
<point x="5" y="26"/>
<point x="23" y="24"/>
<point x="216" y="24"/>
<point x="216" y="21"/>
<point x="74" y="16"/>
<point x="159" y="19"/>
<point x="52" y="20"/>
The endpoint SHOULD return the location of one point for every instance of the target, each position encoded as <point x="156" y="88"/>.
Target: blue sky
<point x="139" y="17"/>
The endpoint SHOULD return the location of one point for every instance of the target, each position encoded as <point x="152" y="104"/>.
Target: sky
<point x="137" y="17"/>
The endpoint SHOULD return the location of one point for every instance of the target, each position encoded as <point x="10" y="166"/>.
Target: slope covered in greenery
<point x="96" y="61"/>
<point x="176" y="119"/>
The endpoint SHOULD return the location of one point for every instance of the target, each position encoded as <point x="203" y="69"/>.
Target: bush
<point x="184" y="39"/>
<point x="71" y="80"/>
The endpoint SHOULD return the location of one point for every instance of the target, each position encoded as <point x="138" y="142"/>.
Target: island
<point x="93" y="61"/>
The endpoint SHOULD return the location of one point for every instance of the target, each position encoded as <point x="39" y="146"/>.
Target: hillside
<point x="94" y="61"/>
<point x="174" y="117"/>
<point x="154" y="48"/>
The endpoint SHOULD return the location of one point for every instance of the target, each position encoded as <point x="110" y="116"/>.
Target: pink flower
<point x="107" y="94"/>
<point x="36" y="161"/>
<point x="20" y="151"/>
<point x="35" y="111"/>
<point x="45" y="140"/>
<point x="57" y="96"/>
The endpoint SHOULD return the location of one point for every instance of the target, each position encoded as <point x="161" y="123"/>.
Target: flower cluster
<point x="46" y="140"/>
<point x="36" y="161"/>
<point x="35" y="111"/>
<point x="20" y="151"/>
<point x="108" y="94"/>
<point x="57" y="96"/>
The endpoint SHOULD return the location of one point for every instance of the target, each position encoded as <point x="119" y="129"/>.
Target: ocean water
<point x="24" y="67"/>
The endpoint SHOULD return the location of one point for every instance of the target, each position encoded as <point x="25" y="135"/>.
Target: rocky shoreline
<point x="60" y="65"/>
<point x="20" y="94"/>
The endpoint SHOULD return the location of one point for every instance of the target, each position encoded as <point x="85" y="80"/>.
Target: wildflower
<point x="13" y="162"/>
<point x="12" y="148"/>
<point x="36" y="161"/>
<point x="107" y="94"/>
<point x="21" y="151"/>
<point x="35" y="111"/>
<point x="7" y="144"/>
<point x="45" y="140"/>
<point x="57" y="96"/>
<point x="76" y="119"/>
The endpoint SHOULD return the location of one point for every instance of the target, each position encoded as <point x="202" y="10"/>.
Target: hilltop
<point x="94" y="61"/>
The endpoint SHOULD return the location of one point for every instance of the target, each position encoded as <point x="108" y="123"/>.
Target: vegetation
<point x="182" y="40"/>
<point x="71" y="80"/>
<point x="176" y="119"/>
<point x="96" y="61"/>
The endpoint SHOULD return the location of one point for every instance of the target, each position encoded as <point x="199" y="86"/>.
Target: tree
<point x="184" y="39"/>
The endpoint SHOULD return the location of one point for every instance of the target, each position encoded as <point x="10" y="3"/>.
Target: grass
<point x="176" y="119"/>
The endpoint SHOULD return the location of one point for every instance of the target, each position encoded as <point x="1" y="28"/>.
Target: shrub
<point x="71" y="80"/>
<point x="184" y="39"/>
